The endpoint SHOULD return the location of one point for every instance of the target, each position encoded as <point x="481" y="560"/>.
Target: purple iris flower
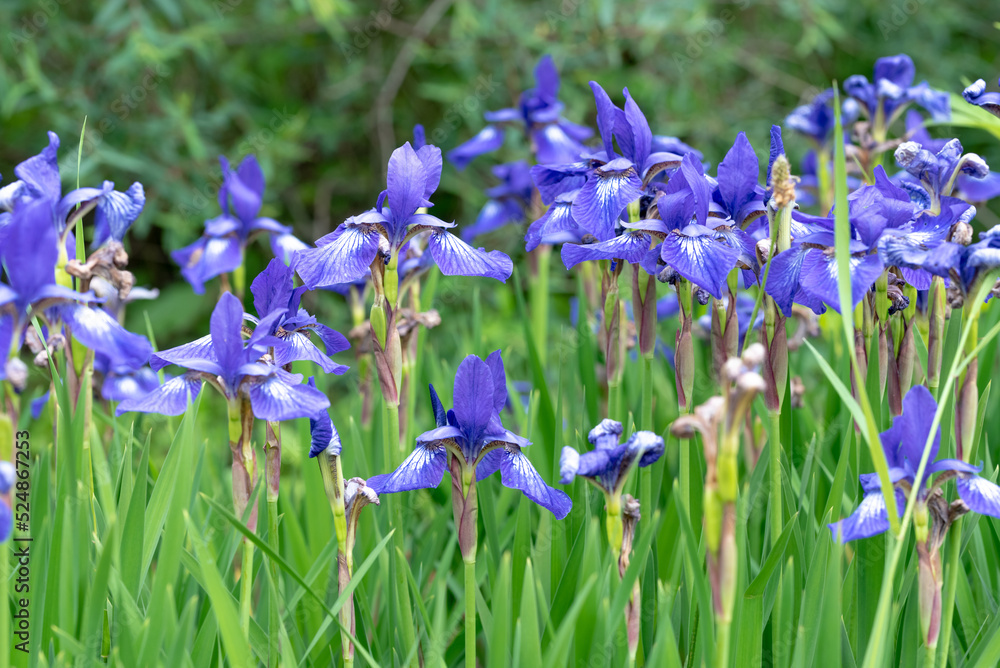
<point x="806" y="273"/>
<point x="274" y="292"/>
<point x="236" y="368"/>
<point x="221" y="247"/>
<point x="29" y="255"/>
<point x="891" y="91"/>
<point x="976" y="94"/>
<point x="964" y="265"/>
<point x="323" y="433"/>
<point x="473" y="436"/>
<point x="618" y="180"/>
<point x="611" y="184"/>
<point x="507" y="202"/>
<point x="38" y="179"/>
<point x="903" y="445"/>
<point x="701" y="247"/>
<point x="936" y="174"/>
<point x="816" y="119"/>
<point x="123" y="381"/>
<point x="346" y="254"/>
<point x="610" y="462"/>
<point x="553" y="138"/>
<point x="557" y="225"/>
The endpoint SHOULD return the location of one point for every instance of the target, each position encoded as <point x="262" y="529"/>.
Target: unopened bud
<point x="378" y="323"/>
<point x="712" y="511"/>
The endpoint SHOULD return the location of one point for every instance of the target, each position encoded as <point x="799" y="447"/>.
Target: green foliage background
<point x="168" y="85"/>
<point x="322" y="90"/>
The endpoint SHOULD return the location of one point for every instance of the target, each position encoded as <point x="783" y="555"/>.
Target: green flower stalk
<point x="240" y="417"/>
<point x="937" y="313"/>
<point x="614" y="338"/>
<point x="607" y="467"/>
<point x="346" y="498"/>
<point x="684" y="346"/>
<point x="720" y="421"/>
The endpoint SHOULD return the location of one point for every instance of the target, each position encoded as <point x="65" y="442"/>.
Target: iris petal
<point x="456" y="258"/>
<point x="630" y="247"/>
<point x="517" y="472"/>
<point x="345" y="257"/>
<point x="697" y="256"/>
<point x="602" y="199"/>
<point x="171" y="398"/>
<point x="981" y="495"/>
<point x="423" y="469"/>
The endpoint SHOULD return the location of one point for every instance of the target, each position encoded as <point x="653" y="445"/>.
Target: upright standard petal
<point x="30" y="251"/>
<point x="606" y="116"/>
<point x="456" y="258"/>
<point x="517" y="472"/>
<point x="344" y="256"/>
<point x="272" y="288"/>
<point x="405" y="183"/>
<point x="495" y="362"/>
<point x="40" y="173"/>
<point x="917" y="417"/>
<point x="423" y="469"/>
<point x="226" y="326"/>
<point x="738" y="174"/>
<point x="473" y="397"/>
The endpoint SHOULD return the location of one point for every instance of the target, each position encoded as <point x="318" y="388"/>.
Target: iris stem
<point x="246" y="587"/>
<point x="951" y="581"/>
<point x="645" y="475"/>
<point x="470" y="614"/>
<point x="391" y="450"/>
<point x="774" y="466"/>
<point x="540" y="301"/>
<point x="273" y="618"/>
<point x="722" y="628"/>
